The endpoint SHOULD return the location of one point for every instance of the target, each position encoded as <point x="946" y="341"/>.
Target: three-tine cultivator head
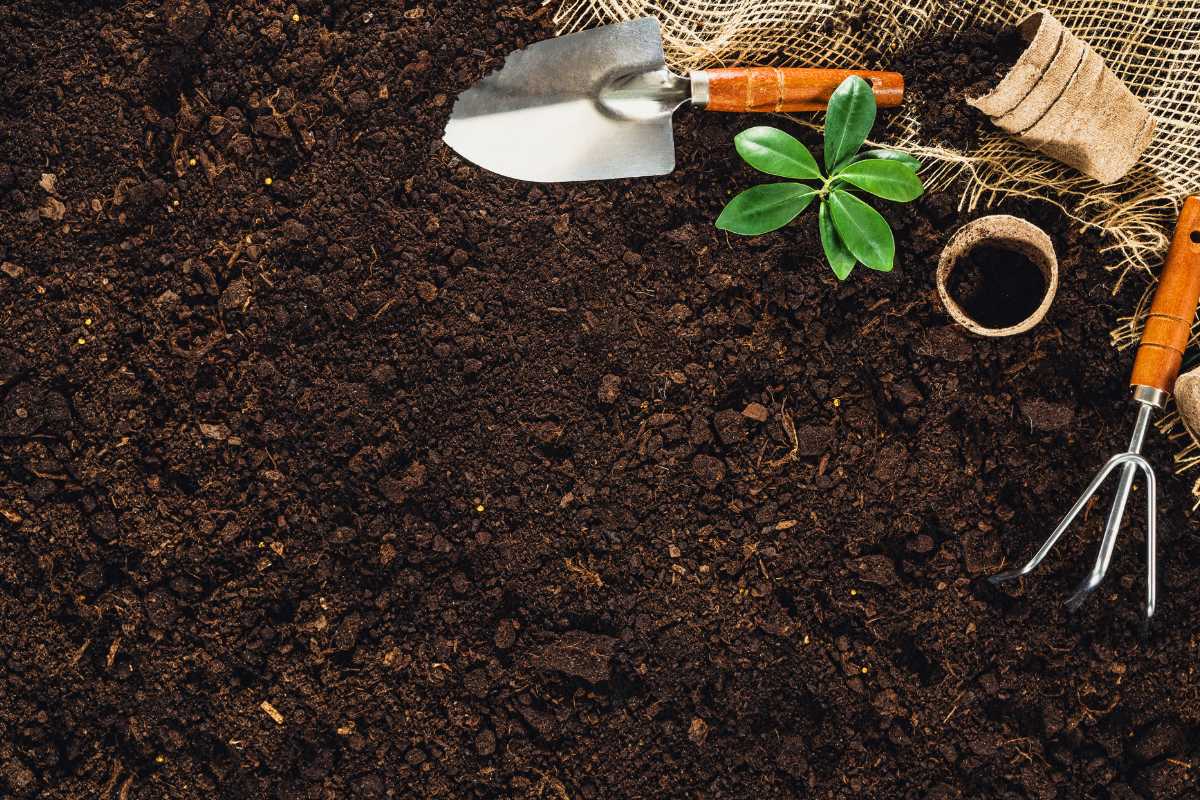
<point x="1159" y="357"/>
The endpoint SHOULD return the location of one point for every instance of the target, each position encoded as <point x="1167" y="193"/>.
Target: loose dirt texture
<point x="941" y="72"/>
<point x="998" y="287"/>
<point x="392" y="478"/>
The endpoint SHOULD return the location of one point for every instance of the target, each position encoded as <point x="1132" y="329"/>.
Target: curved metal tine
<point x="1112" y="527"/>
<point x="1133" y="462"/>
<point x="1044" y="550"/>
<point x="1151" y="542"/>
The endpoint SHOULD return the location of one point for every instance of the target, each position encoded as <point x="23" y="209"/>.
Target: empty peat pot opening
<point x="998" y="275"/>
<point x="996" y="286"/>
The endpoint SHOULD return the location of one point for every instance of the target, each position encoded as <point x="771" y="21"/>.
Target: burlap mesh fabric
<point x="1154" y="47"/>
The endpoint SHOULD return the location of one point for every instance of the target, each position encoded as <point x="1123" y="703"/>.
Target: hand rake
<point x="1159" y="356"/>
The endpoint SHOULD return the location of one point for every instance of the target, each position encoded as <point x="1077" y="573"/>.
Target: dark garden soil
<point x="393" y="478"/>
<point x="996" y="286"/>
<point x="942" y="71"/>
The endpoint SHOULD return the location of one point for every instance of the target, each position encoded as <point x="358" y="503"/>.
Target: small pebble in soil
<point x="981" y="552"/>
<point x="997" y="287"/>
<point x="708" y="470"/>
<point x="236" y="296"/>
<point x="579" y="653"/>
<point x="426" y="291"/>
<point x="186" y="20"/>
<point x="610" y="389"/>
<point x="877" y="569"/>
<point x="731" y="426"/>
<point x="923" y="543"/>
<point x="506" y="634"/>
<point x="756" y="412"/>
<point x="217" y="430"/>
<point x="698" y="731"/>
<point x="485" y="743"/>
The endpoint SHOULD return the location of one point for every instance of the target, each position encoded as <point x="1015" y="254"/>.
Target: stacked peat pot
<point x="1062" y="100"/>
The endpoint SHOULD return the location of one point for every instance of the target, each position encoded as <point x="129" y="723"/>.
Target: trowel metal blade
<point x="540" y="116"/>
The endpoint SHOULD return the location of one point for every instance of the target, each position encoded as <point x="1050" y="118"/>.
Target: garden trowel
<point x="598" y="104"/>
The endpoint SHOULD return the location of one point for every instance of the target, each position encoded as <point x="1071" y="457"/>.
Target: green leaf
<point x="840" y="259"/>
<point x="765" y="208"/>
<point x="890" y="180"/>
<point x="775" y="152"/>
<point x="865" y="233"/>
<point x="849" y="119"/>
<point x="890" y="155"/>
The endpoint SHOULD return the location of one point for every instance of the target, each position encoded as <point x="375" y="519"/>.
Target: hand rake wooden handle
<point x="1169" y="325"/>
<point x="790" y="89"/>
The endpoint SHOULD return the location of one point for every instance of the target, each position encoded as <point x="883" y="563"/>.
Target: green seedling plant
<point x="851" y="231"/>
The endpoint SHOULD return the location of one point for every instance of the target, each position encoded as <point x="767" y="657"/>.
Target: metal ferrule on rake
<point x="1159" y="357"/>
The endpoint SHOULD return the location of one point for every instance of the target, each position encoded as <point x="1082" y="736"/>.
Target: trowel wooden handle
<point x="1169" y="325"/>
<point x="784" y="89"/>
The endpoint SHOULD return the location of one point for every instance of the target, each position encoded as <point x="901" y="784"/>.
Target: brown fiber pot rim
<point x="1012" y="233"/>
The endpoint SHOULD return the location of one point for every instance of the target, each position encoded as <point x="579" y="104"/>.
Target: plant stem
<point x="824" y="190"/>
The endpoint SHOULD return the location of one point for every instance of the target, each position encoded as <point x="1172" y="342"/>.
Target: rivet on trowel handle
<point x="1155" y="369"/>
